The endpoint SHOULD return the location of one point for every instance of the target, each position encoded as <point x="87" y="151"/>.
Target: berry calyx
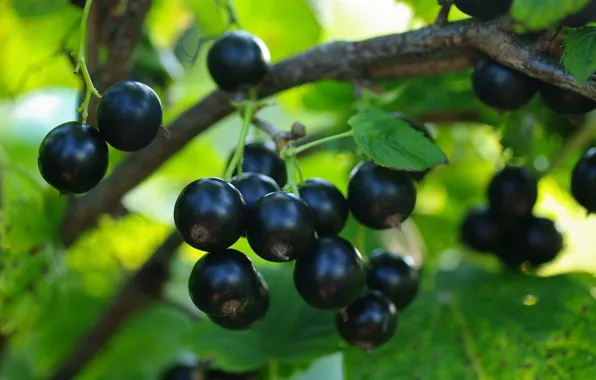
<point x="483" y="10"/>
<point x="512" y="192"/>
<point x="259" y="158"/>
<point x="583" y="181"/>
<point x="280" y="227"/>
<point x="237" y="60"/>
<point x="501" y="87"/>
<point x="129" y="115"/>
<point x="369" y="322"/>
<point x="73" y="158"/>
<point x="327" y="203"/>
<point x="393" y="275"/>
<point x="251" y="313"/>
<point x="330" y="275"/>
<point x="222" y="283"/>
<point x="210" y="214"/>
<point x="380" y="198"/>
<point x="564" y="101"/>
<point x="254" y="186"/>
<point x="481" y="230"/>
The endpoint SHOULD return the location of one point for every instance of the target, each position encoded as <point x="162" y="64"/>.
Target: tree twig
<point x="141" y="290"/>
<point x="443" y="15"/>
<point x="338" y="60"/>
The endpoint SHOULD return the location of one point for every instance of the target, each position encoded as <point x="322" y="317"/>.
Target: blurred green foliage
<point x="472" y="320"/>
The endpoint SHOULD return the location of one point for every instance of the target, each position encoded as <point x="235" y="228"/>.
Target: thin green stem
<point x="293" y="151"/>
<point x="272" y="370"/>
<point x="291" y="175"/>
<point x="250" y="107"/>
<point x="297" y="166"/>
<point x="82" y="65"/>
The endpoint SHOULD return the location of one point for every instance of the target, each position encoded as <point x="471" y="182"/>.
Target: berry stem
<point x="249" y="108"/>
<point x="291" y="175"/>
<point x="82" y="65"/>
<point x="292" y="151"/>
<point x="298" y="170"/>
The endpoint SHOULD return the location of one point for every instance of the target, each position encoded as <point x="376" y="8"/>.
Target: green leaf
<point x="291" y="332"/>
<point x="480" y="325"/>
<point x="537" y="14"/>
<point x="391" y="142"/>
<point x="579" y="54"/>
<point x="36" y="8"/>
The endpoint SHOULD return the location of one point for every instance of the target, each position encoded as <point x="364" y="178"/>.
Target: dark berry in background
<point x="483" y="9"/>
<point x="481" y="230"/>
<point x="564" y="101"/>
<point x="512" y="192"/>
<point x="73" y="158"/>
<point x="583" y="181"/>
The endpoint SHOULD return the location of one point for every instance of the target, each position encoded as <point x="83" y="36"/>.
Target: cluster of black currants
<point x="508" y="228"/>
<point x="73" y="157"/>
<point x="329" y="272"/>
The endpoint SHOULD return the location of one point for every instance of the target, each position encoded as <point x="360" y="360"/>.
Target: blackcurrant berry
<point x="129" y="115"/>
<point x="512" y="192"/>
<point x="280" y="227"/>
<point x="483" y="9"/>
<point x="238" y="59"/>
<point x="252" y="313"/>
<point x="224" y="282"/>
<point x="254" y="186"/>
<point x="327" y="203"/>
<point x="583" y="181"/>
<point x="368" y="322"/>
<point x="331" y="274"/>
<point x="481" y="230"/>
<point x="418" y="176"/>
<point x="393" y="275"/>
<point x="180" y="372"/>
<point x="501" y="87"/>
<point x="73" y="158"/>
<point x="380" y="198"/>
<point x="564" y="101"/>
<point x="259" y="158"/>
<point x="210" y="214"/>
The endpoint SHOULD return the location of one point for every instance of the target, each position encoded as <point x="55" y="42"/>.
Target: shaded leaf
<point x="538" y="14"/>
<point x="391" y="142"/>
<point x="36" y="8"/>
<point x="579" y="55"/>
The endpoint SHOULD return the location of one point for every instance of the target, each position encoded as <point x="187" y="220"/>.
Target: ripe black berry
<point x="369" y="322"/>
<point x="380" y="198"/>
<point x="252" y="313"/>
<point x="238" y="59"/>
<point x="280" y="227"/>
<point x="418" y="176"/>
<point x="73" y="158"/>
<point x="512" y="192"/>
<point x="330" y="275"/>
<point x="564" y="101"/>
<point x="501" y="87"/>
<point x="327" y="203"/>
<point x="223" y="283"/>
<point x="481" y="230"/>
<point x="259" y="158"/>
<point x="393" y="275"/>
<point x="210" y="214"/>
<point x="254" y="186"/>
<point x="483" y="9"/>
<point x="129" y="115"/>
<point x="583" y="181"/>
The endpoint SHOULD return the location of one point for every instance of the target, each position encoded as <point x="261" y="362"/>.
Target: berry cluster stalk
<point x="249" y="108"/>
<point x="82" y="65"/>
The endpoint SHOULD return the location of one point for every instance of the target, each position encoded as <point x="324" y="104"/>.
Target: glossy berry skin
<point x="483" y="9"/>
<point x="564" y="101"/>
<point x="500" y="87"/>
<point x="380" y="198"/>
<point x="327" y="203"/>
<point x="210" y="214"/>
<point x="583" y="181"/>
<point x="281" y="227"/>
<point x="259" y="158"/>
<point x="73" y="158"/>
<point x="249" y="315"/>
<point x="418" y="176"/>
<point x="512" y="192"/>
<point x="223" y="283"/>
<point x="129" y="115"/>
<point x="369" y="322"/>
<point x="254" y="186"/>
<point x="331" y="274"/>
<point x="481" y="230"/>
<point x="238" y="59"/>
<point x="393" y="275"/>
